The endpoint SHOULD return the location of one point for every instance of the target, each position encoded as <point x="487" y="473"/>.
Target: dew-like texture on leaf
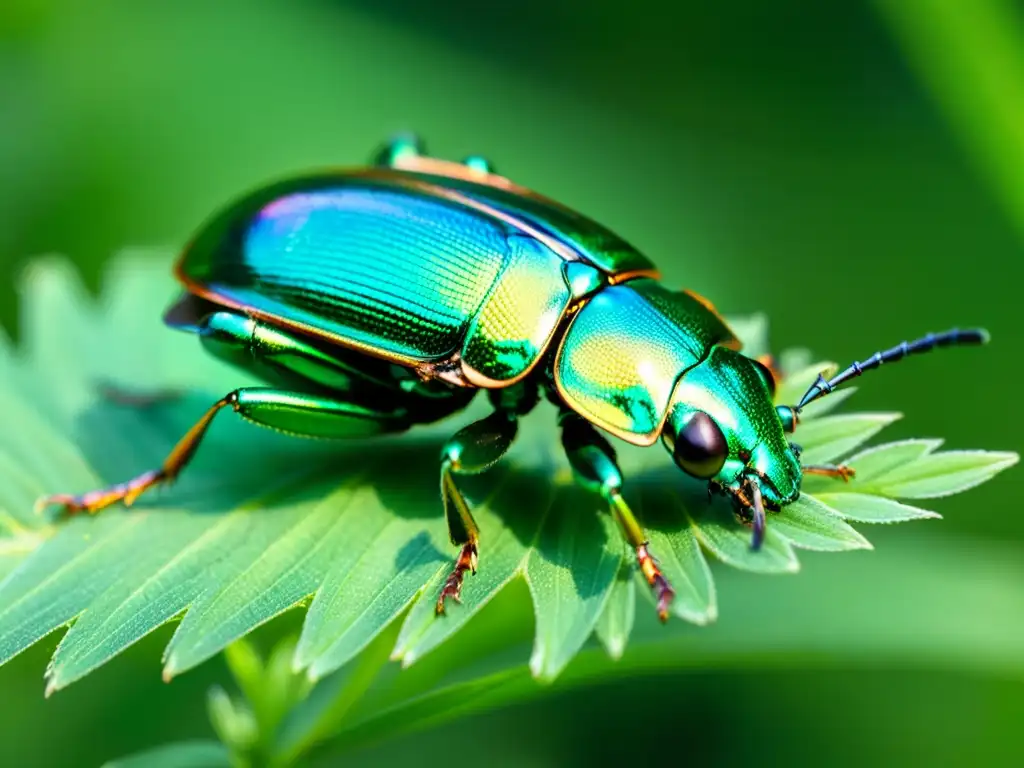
<point x="261" y="522"/>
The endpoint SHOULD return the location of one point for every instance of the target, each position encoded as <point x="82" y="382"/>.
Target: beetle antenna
<point x="951" y="338"/>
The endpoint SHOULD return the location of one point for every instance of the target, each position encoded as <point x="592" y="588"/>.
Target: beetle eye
<point x="700" y="447"/>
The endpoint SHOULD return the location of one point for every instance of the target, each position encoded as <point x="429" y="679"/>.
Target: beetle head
<point x="723" y="427"/>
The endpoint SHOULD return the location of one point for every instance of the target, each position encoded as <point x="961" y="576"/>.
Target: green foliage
<point x="262" y="523"/>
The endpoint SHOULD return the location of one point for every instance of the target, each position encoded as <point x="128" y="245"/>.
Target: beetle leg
<point x="478" y="164"/>
<point x="294" y="412"/>
<point x="841" y="471"/>
<point x="407" y="152"/>
<point x="400" y="149"/>
<point x="593" y="461"/>
<point x="473" y="449"/>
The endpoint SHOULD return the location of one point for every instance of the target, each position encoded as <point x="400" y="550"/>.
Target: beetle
<point x="383" y="297"/>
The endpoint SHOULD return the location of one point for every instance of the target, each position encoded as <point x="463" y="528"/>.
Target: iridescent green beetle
<point x="384" y="297"/>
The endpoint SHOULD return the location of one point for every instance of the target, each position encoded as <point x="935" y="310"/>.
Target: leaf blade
<point x="570" y="575"/>
<point x="863" y="508"/>
<point x="809" y="523"/>
<point x="941" y="474"/>
<point x="185" y="754"/>
<point x="829" y="438"/>
<point x="616" y="621"/>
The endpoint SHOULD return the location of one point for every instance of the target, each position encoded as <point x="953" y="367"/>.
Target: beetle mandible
<point x="383" y="297"/>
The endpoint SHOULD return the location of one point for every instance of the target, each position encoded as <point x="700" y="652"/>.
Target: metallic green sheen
<point x="358" y="384"/>
<point x="583" y="279"/>
<point x="728" y="387"/>
<point x="240" y="340"/>
<point x="513" y="326"/>
<point x="386" y="269"/>
<point x="314" y="415"/>
<point x="625" y="349"/>
<point x="592" y="241"/>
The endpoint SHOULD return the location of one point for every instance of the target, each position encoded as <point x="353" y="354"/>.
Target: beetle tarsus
<point x="93" y="501"/>
<point x="452" y="588"/>
<point x="129" y="491"/>
<point x="663" y="591"/>
<point x="842" y="471"/>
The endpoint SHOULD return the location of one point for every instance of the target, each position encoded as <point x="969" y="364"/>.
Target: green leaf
<point x="506" y="551"/>
<point x="570" y="574"/>
<point x="616" y="621"/>
<point x="797" y="382"/>
<point x="875" y="462"/>
<point x="186" y="754"/>
<point x="829" y="438"/>
<point x="809" y="523"/>
<point x="679" y="555"/>
<point x="863" y="508"/>
<point x="723" y="536"/>
<point x="232" y="720"/>
<point x="262" y="523"/>
<point x="338" y="627"/>
<point x="288" y="558"/>
<point x="932" y="618"/>
<point x="939" y="474"/>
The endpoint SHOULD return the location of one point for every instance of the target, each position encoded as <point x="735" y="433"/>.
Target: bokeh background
<point x="855" y="170"/>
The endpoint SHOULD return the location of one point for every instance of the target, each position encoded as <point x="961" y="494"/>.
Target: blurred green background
<point x="854" y="170"/>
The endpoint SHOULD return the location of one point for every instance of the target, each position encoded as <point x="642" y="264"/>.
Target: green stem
<point x="351" y="688"/>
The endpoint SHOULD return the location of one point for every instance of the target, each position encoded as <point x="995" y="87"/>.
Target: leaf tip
<point x="700" y="618"/>
<point x="1009" y="458"/>
<point x="404" y="657"/>
<point x="856" y="539"/>
<point x="541" y="671"/>
<point x="300" y="663"/>
<point x="615" y="648"/>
